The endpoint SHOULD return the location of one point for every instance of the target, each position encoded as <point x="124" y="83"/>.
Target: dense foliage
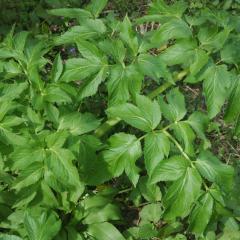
<point x="100" y="142"/>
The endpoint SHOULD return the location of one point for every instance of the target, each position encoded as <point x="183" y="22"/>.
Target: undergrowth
<point x="120" y="129"/>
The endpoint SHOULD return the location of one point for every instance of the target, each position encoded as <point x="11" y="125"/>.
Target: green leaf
<point x="90" y="86"/>
<point x="24" y="156"/>
<point x="122" y="153"/>
<point x="182" y="194"/>
<point x="230" y="51"/>
<point x="153" y="67"/>
<point x="12" y="91"/>
<point x="60" y="163"/>
<point x="211" y="39"/>
<point x="54" y="94"/>
<point x="78" y="123"/>
<point x="29" y="176"/>
<point x="9" y="237"/>
<point x="156" y="146"/>
<point x="93" y="170"/>
<point x="41" y="225"/>
<point x="9" y="137"/>
<point x="90" y="29"/>
<point x="169" y="169"/>
<point x="233" y="109"/>
<point x="19" y="40"/>
<point x="216" y="88"/>
<point x="11" y="121"/>
<point x="106" y="213"/>
<point x="213" y="170"/>
<point x="151" y="213"/>
<point x="56" y="139"/>
<point x="77" y="69"/>
<point x="77" y="13"/>
<point x="175" y="110"/>
<point x="128" y="35"/>
<point x="173" y="29"/>
<point x="199" y="122"/>
<point x="104" y="231"/>
<point x="145" y="116"/>
<point x="96" y="7"/>
<point x="200" y="59"/>
<point x="122" y="83"/>
<point x="114" y="48"/>
<point x="57" y="68"/>
<point x="88" y="50"/>
<point x="151" y="192"/>
<point x="162" y="8"/>
<point x="180" y="53"/>
<point x="201" y="214"/>
<point x="185" y="135"/>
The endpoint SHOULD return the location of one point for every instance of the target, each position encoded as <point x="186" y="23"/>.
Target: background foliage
<point x="113" y="127"/>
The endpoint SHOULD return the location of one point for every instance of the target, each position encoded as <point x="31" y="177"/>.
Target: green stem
<point x="166" y="85"/>
<point x="106" y="127"/>
<point x="109" y="124"/>
<point x="178" y="146"/>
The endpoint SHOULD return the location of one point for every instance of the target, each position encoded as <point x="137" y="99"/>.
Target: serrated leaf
<point x="173" y="29"/>
<point x="156" y="146"/>
<point x="114" y="48"/>
<point x="122" y="83"/>
<point x="199" y="122"/>
<point x="151" y="213"/>
<point x="25" y="156"/>
<point x="93" y="170"/>
<point x="92" y="28"/>
<point x="122" y="153"/>
<point x="109" y="212"/>
<point x="180" y="53"/>
<point x="90" y="86"/>
<point x="104" y="231"/>
<point x="185" y="134"/>
<point x="200" y="59"/>
<point x="9" y="237"/>
<point x="145" y="116"/>
<point x="79" y="68"/>
<point x="175" y="109"/>
<point x="128" y="35"/>
<point x="77" y="13"/>
<point x="29" y="176"/>
<point x="216" y="88"/>
<point x="213" y="170"/>
<point x="182" y="194"/>
<point x="96" y="7"/>
<point x="151" y="192"/>
<point x="162" y="8"/>
<point x="19" y="40"/>
<point x="57" y="68"/>
<point x="78" y="123"/>
<point x="153" y="67"/>
<point x="37" y="223"/>
<point x="201" y="214"/>
<point x="60" y="163"/>
<point x="55" y="94"/>
<point x="88" y="50"/>
<point x="169" y="169"/>
<point x="230" y="51"/>
<point x="12" y="91"/>
<point x="211" y="39"/>
<point x="10" y="137"/>
<point x="233" y="109"/>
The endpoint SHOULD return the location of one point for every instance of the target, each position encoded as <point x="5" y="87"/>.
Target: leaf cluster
<point x="67" y="174"/>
